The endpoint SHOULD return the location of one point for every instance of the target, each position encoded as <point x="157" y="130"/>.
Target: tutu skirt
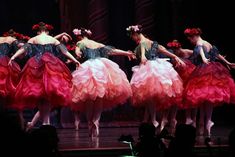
<point x="9" y="77"/>
<point x="100" y="81"/>
<point x="210" y="84"/>
<point x="45" y="80"/>
<point x="156" y="82"/>
<point x="185" y="71"/>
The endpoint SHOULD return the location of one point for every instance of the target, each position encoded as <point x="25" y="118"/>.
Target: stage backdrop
<point x="162" y="20"/>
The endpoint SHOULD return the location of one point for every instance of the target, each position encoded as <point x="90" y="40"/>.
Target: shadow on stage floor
<point x="78" y="143"/>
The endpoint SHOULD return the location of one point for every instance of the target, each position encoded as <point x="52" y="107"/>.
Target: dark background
<point x="163" y="20"/>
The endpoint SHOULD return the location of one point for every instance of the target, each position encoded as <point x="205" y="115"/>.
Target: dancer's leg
<point x="152" y="112"/>
<point x="76" y="119"/>
<point x="21" y="119"/>
<point x="33" y="122"/>
<point x="194" y="116"/>
<point x="209" y="123"/>
<point x="97" y="110"/>
<point x="201" y="120"/>
<point x="173" y="120"/>
<point x="188" y="114"/>
<point x="44" y="109"/>
<point x="164" y="120"/>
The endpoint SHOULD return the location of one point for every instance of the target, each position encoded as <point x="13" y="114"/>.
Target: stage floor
<point x="72" y="141"/>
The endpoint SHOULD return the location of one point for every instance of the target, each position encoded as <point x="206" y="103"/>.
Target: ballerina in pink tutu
<point x="210" y="84"/>
<point x="99" y="83"/>
<point x="184" y="72"/>
<point x="45" y="80"/>
<point x="155" y="84"/>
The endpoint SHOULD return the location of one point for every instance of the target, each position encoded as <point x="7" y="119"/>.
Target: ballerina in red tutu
<point x="184" y="72"/>
<point x="45" y="80"/>
<point x="9" y="75"/>
<point x="155" y="84"/>
<point x="210" y="84"/>
<point x="99" y="83"/>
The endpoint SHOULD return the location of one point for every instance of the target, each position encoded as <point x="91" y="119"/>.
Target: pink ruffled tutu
<point x="156" y="82"/>
<point x="100" y="81"/>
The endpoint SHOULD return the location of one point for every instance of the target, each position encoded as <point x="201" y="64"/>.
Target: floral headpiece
<point x="82" y="31"/>
<point x="71" y="47"/>
<point x="47" y="26"/>
<point x="192" y="31"/>
<point x="22" y="37"/>
<point x="174" y="44"/>
<point x="6" y="34"/>
<point x="18" y="36"/>
<point x="133" y="29"/>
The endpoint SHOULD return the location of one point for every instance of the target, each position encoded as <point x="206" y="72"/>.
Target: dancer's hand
<point x="232" y="65"/>
<point x="206" y="61"/>
<point x="179" y="62"/>
<point x="68" y="61"/>
<point x="10" y="62"/>
<point x="77" y="63"/>
<point x="143" y="60"/>
<point x="131" y="55"/>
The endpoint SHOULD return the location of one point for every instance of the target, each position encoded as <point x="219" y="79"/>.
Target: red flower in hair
<point x="26" y="37"/>
<point x="195" y="31"/>
<point x="187" y="31"/>
<point x="35" y="27"/>
<point x="71" y="47"/>
<point x="49" y="27"/>
<point x="192" y="31"/>
<point x="19" y="36"/>
<point x="174" y="44"/>
<point x="5" y="34"/>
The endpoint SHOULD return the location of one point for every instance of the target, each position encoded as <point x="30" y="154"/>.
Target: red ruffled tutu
<point x="156" y="82"/>
<point x="210" y="84"/>
<point x="9" y="77"/>
<point x="99" y="81"/>
<point x="47" y="80"/>
<point x="185" y="71"/>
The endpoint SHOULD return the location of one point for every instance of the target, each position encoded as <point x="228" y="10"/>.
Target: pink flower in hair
<point x="135" y="28"/>
<point x="77" y="31"/>
<point x="88" y="31"/>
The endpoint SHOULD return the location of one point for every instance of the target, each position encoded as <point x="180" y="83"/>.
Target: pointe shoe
<point x="189" y="121"/>
<point x="29" y="126"/>
<point x="93" y="130"/>
<point x="76" y="123"/>
<point x="96" y="131"/>
<point x="208" y="128"/>
<point x="156" y="124"/>
<point x="163" y="123"/>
